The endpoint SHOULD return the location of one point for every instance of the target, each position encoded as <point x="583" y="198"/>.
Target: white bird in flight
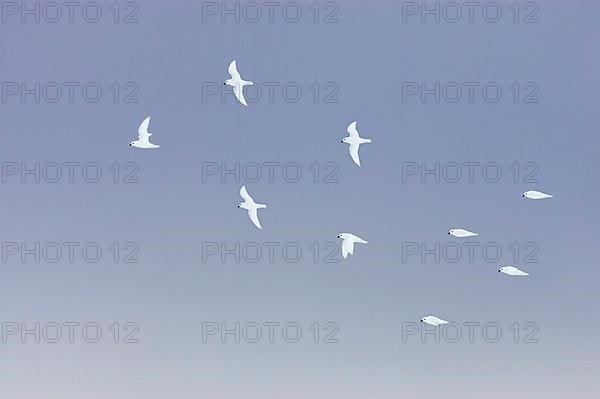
<point x="461" y="233"/>
<point x="143" y="140"/>
<point x="348" y="241"/>
<point x="536" y="195"/>
<point x="355" y="141"/>
<point x="433" y="321"/>
<point x="251" y="206"/>
<point x="237" y="83"/>
<point x="512" y="271"/>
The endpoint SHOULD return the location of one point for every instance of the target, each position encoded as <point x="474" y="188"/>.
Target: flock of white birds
<point x="354" y="141"/>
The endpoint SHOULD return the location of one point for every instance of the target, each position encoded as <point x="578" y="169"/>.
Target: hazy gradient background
<point x="169" y="53"/>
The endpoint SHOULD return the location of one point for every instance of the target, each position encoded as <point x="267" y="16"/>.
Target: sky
<point x="148" y="247"/>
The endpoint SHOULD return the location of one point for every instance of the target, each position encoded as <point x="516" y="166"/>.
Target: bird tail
<point x="367" y="141"/>
<point x="260" y="206"/>
<point x="248" y="82"/>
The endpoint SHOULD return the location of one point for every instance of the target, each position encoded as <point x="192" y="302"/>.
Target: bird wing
<point x="143" y="130"/>
<point x="464" y="233"/>
<point x="352" y="130"/>
<point x="353" y="149"/>
<point x="238" y="90"/>
<point x="253" y="213"/>
<point x="540" y="195"/>
<point x="235" y="75"/>
<point x="519" y="272"/>
<point x="347" y="247"/>
<point x="245" y="195"/>
<point x="360" y="240"/>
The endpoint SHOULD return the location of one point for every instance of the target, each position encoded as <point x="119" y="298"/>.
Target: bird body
<point x="348" y="241"/>
<point x="237" y="83"/>
<point x="433" y="321"/>
<point x="251" y="206"/>
<point x="354" y="140"/>
<point x="143" y="140"/>
<point x="462" y="233"/>
<point x="512" y="271"/>
<point x="536" y="195"/>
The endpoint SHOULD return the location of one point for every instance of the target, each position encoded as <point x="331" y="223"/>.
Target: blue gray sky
<point x="169" y="58"/>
